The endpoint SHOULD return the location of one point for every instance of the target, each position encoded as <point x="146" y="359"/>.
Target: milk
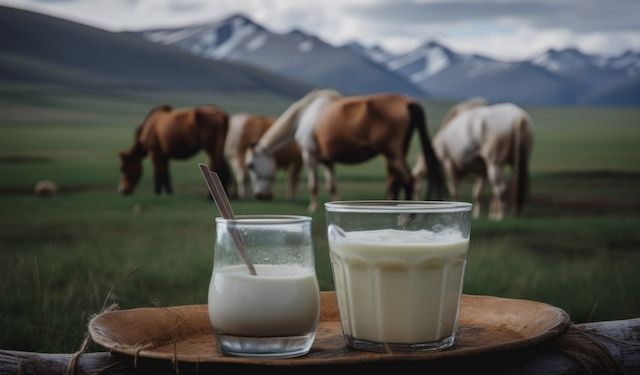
<point x="282" y="300"/>
<point x="398" y="286"/>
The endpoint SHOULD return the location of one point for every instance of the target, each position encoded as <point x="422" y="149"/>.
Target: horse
<point x="245" y="131"/>
<point x="481" y="139"/>
<point x="331" y="128"/>
<point x="165" y="134"/>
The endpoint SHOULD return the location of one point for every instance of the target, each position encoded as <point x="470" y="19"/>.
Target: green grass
<point x="65" y="257"/>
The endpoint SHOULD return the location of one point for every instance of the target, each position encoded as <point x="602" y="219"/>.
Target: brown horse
<point x="330" y="128"/>
<point x="245" y="131"/>
<point x="167" y="134"/>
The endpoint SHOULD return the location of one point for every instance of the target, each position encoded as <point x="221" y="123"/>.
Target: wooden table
<point x="619" y="339"/>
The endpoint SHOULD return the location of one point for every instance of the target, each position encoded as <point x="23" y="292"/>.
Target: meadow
<point x="65" y="258"/>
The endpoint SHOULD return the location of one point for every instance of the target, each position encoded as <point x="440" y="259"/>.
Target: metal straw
<point x="224" y="206"/>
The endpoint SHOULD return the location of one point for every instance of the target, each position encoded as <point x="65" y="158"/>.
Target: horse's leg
<point x="293" y="176"/>
<point x="398" y="173"/>
<point x="160" y="173"/>
<point x="167" y="179"/>
<point x="392" y="182"/>
<point x="407" y="183"/>
<point x="498" y="186"/>
<point x="311" y="163"/>
<point x="330" y="181"/>
<point x="478" y="186"/>
<point x="452" y="178"/>
<point x="419" y="173"/>
<point x="237" y="164"/>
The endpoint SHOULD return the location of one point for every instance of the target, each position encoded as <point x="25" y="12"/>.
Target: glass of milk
<point x="275" y="312"/>
<point x="398" y="268"/>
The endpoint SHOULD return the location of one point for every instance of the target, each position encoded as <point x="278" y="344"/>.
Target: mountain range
<point x="237" y="53"/>
<point x="555" y="77"/>
<point x="295" y="54"/>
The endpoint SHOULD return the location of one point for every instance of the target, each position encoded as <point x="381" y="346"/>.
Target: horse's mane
<point x="138" y="148"/>
<point x="463" y="106"/>
<point x="283" y="129"/>
<point x="163" y="108"/>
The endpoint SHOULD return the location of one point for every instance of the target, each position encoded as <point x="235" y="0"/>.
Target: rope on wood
<point x="71" y="368"/>
<point x="73" y="361"/>
<point x="592" y="356"/>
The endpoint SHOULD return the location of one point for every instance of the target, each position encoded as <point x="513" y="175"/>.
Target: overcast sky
<point x="507" y="29"/>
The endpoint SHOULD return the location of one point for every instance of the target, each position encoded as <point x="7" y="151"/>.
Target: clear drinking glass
<point x="275" y="312"/>
<point x="398" y="268"/>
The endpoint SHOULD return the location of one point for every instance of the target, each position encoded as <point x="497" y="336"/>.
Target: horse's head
<point x="262" y="170"/>
<point x="131" y="168"/>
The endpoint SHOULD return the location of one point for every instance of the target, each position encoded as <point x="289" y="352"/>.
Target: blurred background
<point x="78" y="76"/>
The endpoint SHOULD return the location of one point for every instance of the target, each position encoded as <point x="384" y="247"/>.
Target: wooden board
<point x="183" y="333"/>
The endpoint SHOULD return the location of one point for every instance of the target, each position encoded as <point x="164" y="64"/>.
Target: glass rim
<point x="265" y="219"/>
<point x="397" y="206"/>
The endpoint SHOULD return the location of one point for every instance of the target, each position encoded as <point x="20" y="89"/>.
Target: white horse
<point x="481" y="139"/>
<point x="330" y="128"/>
<point x="245" y="131"/>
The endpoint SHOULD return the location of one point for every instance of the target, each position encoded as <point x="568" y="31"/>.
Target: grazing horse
<point x="167" y="133"/>
<point x="245" y="131"/>
<point x="480" y="139"/>
<point x="330" y="128"/>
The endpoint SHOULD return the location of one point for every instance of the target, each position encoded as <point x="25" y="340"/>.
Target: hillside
<point x="36" y="48"/>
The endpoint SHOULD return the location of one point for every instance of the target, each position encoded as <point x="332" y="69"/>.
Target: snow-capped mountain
<point x="555" y="77"/>
<point x="628" y="61"/>
<point x="375" y="53"/>
<point x="424" y="62"/>
<point x="295" y="54"/>
<point x="588" y="70"/>
<point x="448" y="74"/>
<point x="216" y="40"/>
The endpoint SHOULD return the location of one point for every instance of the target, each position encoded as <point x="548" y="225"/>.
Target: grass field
<point x="64" y="258"/>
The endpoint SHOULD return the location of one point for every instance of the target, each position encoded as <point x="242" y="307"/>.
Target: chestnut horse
<point x="480" y="139"/>
<point x="245" y="131"/>
<point x="166" y="134"/>
<point x="330" y="128"/>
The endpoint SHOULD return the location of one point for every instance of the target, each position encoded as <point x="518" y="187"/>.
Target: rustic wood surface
<point x="601" y="347"/>
<point x="621" y="338"/>
<point x="183" y="333"/>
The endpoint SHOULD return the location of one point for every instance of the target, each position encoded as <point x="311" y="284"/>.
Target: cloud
<point x="505" y="28"/>
<point x="576" y="15"/>
<point x="53" y="1"/>
<point x="185" y="6"/>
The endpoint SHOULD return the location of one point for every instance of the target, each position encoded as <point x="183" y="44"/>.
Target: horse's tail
<point x="437" y="188"/>
<point x="213" y="125"/>
<point x="520" y="175"/>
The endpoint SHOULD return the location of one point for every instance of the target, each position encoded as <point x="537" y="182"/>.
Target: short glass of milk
<point x="275" y="312"/>
<point x="398" y="268"/>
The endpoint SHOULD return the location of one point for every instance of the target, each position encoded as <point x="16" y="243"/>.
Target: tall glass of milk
<point x="398" y="268"/>
<point x="273" y="313"/>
